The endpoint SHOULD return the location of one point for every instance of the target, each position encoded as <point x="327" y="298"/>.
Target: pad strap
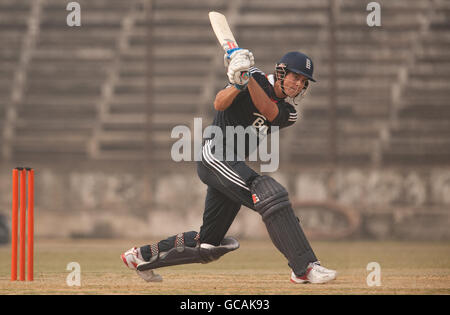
<point x="179" y="242"/>
<point x="154" y="249"/>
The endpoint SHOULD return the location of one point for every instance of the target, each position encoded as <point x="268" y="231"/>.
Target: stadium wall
<point x="132" y="201"/>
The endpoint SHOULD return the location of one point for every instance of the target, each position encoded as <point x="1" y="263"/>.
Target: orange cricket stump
<point x="22" y="231"/>
<point x="30" y="254"/>
<point x="22" y="217"/>
<point x="14" y="223"/>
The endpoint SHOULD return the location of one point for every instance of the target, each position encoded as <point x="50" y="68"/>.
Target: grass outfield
<point x="256" y="268"/>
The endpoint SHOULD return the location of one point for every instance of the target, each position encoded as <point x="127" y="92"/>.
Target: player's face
<point x="294" y="83"/>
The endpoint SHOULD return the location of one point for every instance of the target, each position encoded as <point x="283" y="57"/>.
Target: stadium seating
<point x="420" y="131"/>
<point x="14" y="17"/>
<point x="114" y="88"/>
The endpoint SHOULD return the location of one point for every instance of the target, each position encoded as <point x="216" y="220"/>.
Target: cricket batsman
<point x="261" y="101"/>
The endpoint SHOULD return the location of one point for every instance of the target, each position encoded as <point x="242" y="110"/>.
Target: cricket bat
<point x="222" y="30"/>
<point x="223" y="33"/>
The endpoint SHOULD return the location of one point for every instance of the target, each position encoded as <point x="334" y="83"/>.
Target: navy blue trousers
<point x="228" y="189"/>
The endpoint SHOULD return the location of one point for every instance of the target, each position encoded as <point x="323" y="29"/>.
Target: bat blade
<point x="222" y="30"/>
<point x="225" y="37"/>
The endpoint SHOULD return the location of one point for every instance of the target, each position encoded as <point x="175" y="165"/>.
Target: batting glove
<point x="233" y="53"/>
<point x="238" y="71"/>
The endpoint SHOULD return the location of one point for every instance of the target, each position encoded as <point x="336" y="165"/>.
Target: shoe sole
<point x="300" y="281"/>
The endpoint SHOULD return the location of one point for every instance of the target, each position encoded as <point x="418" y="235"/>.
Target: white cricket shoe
<point x="314" y="275"/>
<point x="323" y="269"/>
<point x="132" y="258"/>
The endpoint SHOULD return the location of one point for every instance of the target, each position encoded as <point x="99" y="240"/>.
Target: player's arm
<point x="240" y="63"/>
<point x="225" y="97"/>
<point x="287" y="115"/>
<point x="262" y="102"/>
